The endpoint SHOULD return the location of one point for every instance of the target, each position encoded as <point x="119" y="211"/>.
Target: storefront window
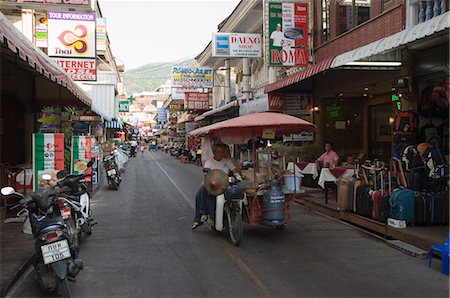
<point x="352" y="13"/>
<point x="380" y="132"/>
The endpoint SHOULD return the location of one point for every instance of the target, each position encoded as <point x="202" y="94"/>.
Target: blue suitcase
<point x="402" y="205"/>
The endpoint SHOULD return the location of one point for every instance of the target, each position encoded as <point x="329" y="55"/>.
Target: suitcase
<point x="402" y="205"/>
<point x="375" y="198"/>
<point x="445" y="208"/>
<point x="343" y="194"/>
<point x="436" y="211"/>
<point x="383" y="209"/>
<point x="351" y="191"/>
<point x="363" y="201"/>
<point x="356" y="185"/>
<point x="422" y="209"/>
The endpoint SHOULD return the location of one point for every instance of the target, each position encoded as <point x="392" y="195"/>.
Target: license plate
<point x="65" y="212"/>
<point x="111" y="172"/>
<point x="55" y="251"/>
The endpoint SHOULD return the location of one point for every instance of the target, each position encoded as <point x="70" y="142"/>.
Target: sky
<point x="146" y="31"/>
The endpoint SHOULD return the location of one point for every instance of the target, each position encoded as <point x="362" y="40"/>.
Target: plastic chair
<point x="443" y="250"/>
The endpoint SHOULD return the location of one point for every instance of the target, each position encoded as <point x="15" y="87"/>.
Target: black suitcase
<point x="435" y="208"/>
<point x="422" y="209"/>
<point x="445" y="208"/>
<point x="363" y="201"/>
<point x="383" y="209"/>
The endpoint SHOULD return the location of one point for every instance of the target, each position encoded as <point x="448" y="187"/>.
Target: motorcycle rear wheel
<point x="63" y="288"/>
<point x="114" y="184"/>
<point x="235" y="225"/>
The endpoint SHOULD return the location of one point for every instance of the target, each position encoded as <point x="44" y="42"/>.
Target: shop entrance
<point x="380" y="132"/>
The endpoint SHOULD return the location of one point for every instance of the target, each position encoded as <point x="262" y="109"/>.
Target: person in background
<point x="329" y="159"/>
<point x="198" y="156"/>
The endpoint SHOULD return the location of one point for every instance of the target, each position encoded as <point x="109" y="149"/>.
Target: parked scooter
<point x="56" y="257"/>
<point x="228" y="209"/>
<point x="75" y="204"/>
<point x="112" y="171"/>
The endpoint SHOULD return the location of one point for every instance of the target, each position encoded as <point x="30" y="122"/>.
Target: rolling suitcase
<point x="383" y="209"/>
<point x="363" y="201"/>
<point x="343" y="194"/>
<point x="356" y="185"/>
<point x="422" y="209"/>
<point x="436" y="210"/>
<point x="402" y="205"/>
<point x="445" y="208"/>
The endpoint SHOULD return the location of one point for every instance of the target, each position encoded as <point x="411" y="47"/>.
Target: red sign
<point x="196" y="101"/>
<point x="276" y="102"/>
<point x="79" y="69"/>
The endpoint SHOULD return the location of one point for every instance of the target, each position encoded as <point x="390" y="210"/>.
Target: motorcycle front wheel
<point x="235" y="224"/>
<point x="63" y="288"/>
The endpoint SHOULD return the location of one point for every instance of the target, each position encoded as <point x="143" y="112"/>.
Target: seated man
<point x="329" y="158"/>
<point x="204" y="203"/>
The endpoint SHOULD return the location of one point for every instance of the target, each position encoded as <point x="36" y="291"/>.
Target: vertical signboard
<point x="288" y="34"/>
<point x="72" y="41"/>
<point x="48" y="158"/>
<point x="101" y="34"/>
<point x="41" y="33"/>
<point x="81" y="154"/>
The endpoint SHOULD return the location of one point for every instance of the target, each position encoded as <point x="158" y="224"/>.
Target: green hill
<point x="148" y="77"/>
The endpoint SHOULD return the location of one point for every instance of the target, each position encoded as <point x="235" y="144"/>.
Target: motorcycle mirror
<point x="61" y="174"/>
<point x="8" y="190"/>
<point x="46" y="177"/>
<point x="206" y="170"/>
<point x="89" y="164"/>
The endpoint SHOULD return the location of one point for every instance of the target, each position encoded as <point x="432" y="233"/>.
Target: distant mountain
<point x="150" y="76"/>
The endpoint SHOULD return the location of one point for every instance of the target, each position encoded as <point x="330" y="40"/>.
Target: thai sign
<point x="48" y="158"/>
<point x="288" y="34"/>
<point x="41" y="33"/>
<point x="71" y="34"/>
<point x="79" y="69"/>
<point x="243" y="45"/>
<point x="179" y="93"/>
<point x="101" y="34"/>
<point x="196" y="101"/>
<point x="53" y="2"/>
<point x="184" y="77"/>
<point x="81" y="154"/>
<point x="124" y="106"/>
<point x="162" y="114"/>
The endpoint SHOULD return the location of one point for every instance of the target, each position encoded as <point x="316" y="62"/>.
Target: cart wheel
<point x="280" y="228"/>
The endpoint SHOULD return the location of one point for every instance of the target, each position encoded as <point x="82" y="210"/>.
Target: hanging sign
<point x="48" y="158"/>
<point x="268" y="134"/>
<point x="243" y="45"/>
<point x="288" y="34"/>
<point x="81" y="154"/>
<point x="124" y="106"/>
<point x="186" y="77"/>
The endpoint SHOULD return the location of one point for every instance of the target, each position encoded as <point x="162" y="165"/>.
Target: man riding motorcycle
<point x="204" y="202"/>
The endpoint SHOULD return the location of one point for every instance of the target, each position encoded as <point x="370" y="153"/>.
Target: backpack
<point x="434" y="101"/>
<point x="430" y="135"/>
<point x="409" y="156"/>
<point x="405" y="121"/>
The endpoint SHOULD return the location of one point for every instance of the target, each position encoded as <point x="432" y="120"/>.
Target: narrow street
<point x="143" y="246"/>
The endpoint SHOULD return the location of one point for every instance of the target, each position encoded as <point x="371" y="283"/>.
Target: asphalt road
<point x="143" y="246"/>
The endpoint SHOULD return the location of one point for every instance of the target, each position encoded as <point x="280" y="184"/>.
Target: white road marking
<point x="186" y="198"/>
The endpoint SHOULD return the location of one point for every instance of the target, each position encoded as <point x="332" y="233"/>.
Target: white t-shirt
<point x="277" y="37"/>
<point x="224" y="164"/>
<point x="133" y="143"/>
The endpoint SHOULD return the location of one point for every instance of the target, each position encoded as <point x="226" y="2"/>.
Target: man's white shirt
<point x="277" y="37"/>
<point x="224" y="164"/>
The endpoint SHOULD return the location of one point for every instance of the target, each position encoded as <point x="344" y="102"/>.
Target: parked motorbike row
<point x="59" y="218"/>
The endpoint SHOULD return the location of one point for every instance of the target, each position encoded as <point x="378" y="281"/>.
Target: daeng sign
<point x="240" y="45"/>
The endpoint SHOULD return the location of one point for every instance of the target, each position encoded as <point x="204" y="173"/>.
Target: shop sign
<point x="81" y="154"/>
<point x="268" y="134"/>
<point x="79" y="69"/>
<point x="71" y="34"/>
<point x="303" y="136"/>
<point x="299" y="105"/>
<point x="175" y="106"/>
<point x="196" y="101"/>
<point x="88" y="118"/>
<point x="276" y="102"/>
<point x="288" y="34"/>
<point x="238" y="45"/>
<point x="48" y="158"/>
<point x="56" y="2"/>
<point x="179" y="93"/>
<point x="101" y="39"/>
<point x="258" y="105"/>
<point x="41" y="33"/>
<point x="50" y="119"/>
<point x="185" y="77"/>
<point x="162" y="114"/>
<point x="124" y="106"/>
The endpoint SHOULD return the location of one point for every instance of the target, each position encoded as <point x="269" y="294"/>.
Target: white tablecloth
<point x="310" y="169"/>
<point x="326" y="176"/>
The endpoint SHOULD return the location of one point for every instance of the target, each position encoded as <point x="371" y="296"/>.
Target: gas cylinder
<point x="273" y="204"/>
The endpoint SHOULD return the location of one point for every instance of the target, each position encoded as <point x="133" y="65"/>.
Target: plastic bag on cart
<point x="121" y="159"/>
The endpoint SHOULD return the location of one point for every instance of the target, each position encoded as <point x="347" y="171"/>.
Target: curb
<point x="13" y="280"/>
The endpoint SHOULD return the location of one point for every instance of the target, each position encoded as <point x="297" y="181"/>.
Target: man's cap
<point x="278" y="25"/>
<point x="216" y="182"/>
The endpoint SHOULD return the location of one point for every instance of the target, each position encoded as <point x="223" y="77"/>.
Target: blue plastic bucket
<point x="289" y="182"/>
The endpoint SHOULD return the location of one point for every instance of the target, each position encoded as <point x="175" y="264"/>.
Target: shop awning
<point x="234" y="103"/>
<point x="301" y="75"/>
<point x="37" y="59"/>
<point x="422" y="30"/>
<point x="113" y="124"/>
